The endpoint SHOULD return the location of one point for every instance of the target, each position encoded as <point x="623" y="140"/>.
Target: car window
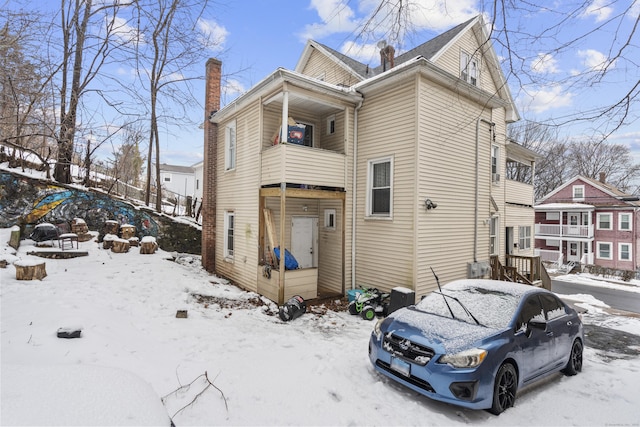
<point x="553" y="307"/>
<point x="531" y="310"/>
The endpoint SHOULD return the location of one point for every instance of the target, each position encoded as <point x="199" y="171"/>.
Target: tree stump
<point x="120" y="246"/>
<point x="14" y="241"/>
<point x="107" y="241"/>
<point x="111" y="227"/>
<point x="148" y="245"/>
<point x="127" y="231"/>
<point x="30" y="270"/>
<point x="134" y="241"/>
<point x="79" y="226"/>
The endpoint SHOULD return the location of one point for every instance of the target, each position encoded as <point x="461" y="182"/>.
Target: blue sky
<point x="257" y="36"/>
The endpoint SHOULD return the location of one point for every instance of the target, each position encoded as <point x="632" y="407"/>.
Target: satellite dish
<point x="382" y="44"/>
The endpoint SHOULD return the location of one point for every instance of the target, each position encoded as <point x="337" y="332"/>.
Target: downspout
<point x="476" y="201"/>
<point x="353" y="193"/>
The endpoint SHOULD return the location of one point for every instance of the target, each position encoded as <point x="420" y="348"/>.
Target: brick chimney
<point x="211" y="106"/>
<point x="386" y="57"/>
<point x="603" y="177"/>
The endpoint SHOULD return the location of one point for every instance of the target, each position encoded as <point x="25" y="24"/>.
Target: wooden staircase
<point x="528" y="270"/>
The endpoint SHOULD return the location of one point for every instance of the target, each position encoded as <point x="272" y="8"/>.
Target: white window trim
<point x="331" y="118"/>
<point x="370" y="164"/>
<point x="465" y="74"/>
<point x="620" y="214"/>
<point x="526" y="237"/>
<point x="496" y="246"/>
<point x="573" y="193"/>
<point x="230" y="157"/>
<point x="610" y="220"/>
<point x="620" y="245"/>
<point x="610" y="257"/>
<point x="327" y="214"/>
<point x="229" y="255"/>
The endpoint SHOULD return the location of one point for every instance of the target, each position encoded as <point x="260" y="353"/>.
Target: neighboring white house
<point x="198" y="169"/>
<point x="179" y="180"/>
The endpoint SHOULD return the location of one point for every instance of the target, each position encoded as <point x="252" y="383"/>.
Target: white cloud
<point x="594" y="60"/>
<point x="361" y="52"/>
<point x="336" y="17"/>
<point x="213" y="35"/>
<point x="125" y="32"/>
<point x="598" y="9"/>
<point x="232" y="88"/>
<point x="544" y="63"/>
<point x="544" y="99"/>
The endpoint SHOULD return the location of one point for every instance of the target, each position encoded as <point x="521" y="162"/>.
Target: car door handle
<point x="550" y="333"/>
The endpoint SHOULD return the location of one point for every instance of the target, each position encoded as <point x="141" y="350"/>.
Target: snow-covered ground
<point x="313" y="370"/>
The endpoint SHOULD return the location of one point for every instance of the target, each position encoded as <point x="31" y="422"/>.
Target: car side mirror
<point x="538" y="324"/>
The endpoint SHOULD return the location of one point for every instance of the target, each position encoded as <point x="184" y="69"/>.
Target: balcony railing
<point x="557" y="230"/>
<point x="519" y="193"/>
<point x="303" y="165"/>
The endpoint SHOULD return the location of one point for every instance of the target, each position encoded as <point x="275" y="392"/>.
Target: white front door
<point x="573" y="251"/>
<point x="574" y="224"/>
<point x="304" y="240"/>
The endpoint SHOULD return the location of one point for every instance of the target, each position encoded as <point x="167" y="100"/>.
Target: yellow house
<point x="368" y="176"/>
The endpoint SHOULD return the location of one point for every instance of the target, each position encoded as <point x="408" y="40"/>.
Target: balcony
<point x="557" y="230"/>
<point x="519" y="193"/>
<point x="293" y="163"/>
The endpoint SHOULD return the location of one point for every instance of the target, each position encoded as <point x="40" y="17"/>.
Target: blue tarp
<point x="290" y="262"/>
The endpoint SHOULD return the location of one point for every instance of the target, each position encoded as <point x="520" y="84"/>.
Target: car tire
<point x="368" y="313"/>
<point x="504" y="389"/>
<point x="574" y="365"/>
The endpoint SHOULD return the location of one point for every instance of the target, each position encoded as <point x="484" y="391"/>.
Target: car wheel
<point x="352" y="308"/>
<point x="574" y="365"/>
<point x="368" y="313"/>
<point x="504" y="389"/>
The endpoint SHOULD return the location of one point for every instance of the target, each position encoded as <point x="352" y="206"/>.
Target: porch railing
<point x="521" y="269"/>
<point x="557" y="230"/>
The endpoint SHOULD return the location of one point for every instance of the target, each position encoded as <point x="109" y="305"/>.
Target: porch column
<point x="283" y="198"/>
<point x="284" y="131"/>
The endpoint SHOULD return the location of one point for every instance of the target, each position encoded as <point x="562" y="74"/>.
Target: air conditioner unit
<point x="495" y="177"/>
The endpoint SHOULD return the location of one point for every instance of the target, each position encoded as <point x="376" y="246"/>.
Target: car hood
<point x="442" y="334"/>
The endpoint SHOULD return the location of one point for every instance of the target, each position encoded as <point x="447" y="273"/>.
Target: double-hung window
<point x="624" y="251"/>
<point x="229" y="227"/>
<point x="494" y="223"/>
<point x="469" y="68"/>
<point x="624" y="221"/>
<point x="604" y="250"/>
<point x="604" y="221"/>
<point x="524" y="237"/>
<point x="380" y="187"/>
<point x="230" y="146"/>
<point x="578" y="193"/>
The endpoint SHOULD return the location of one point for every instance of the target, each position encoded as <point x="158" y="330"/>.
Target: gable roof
<point x="604" y="187"/>
<point x="428" y="50"/>
<point x="176" y="168"/>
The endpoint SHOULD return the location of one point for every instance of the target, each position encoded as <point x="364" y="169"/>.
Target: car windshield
<point x="492" y="307"/>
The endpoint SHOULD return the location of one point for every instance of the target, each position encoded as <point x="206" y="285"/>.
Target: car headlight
<point x="465" y="359"/>
<point x="377" y="330"/>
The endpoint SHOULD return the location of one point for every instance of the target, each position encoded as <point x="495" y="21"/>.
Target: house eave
<point x="277" y="79"/>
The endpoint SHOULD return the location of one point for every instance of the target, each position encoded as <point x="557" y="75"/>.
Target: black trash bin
<point x="400" y="297"/>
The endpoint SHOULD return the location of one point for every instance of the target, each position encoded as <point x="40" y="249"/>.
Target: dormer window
<point x="469" y="68"/>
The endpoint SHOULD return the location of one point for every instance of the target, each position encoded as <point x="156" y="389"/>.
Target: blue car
<point x="475" y="343"/>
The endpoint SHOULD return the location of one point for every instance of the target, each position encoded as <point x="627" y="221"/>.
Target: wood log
<point x="30" y="270"/>
<point x="148" y="245"/>
<point x="120" y="246"/>
<point x="111" y="227"/>
<point x="127" y="231"/>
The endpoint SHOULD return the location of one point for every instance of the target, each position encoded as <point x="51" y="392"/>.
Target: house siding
<point x="319" y="65"/>
<point x="386" y="127"/>
<point x="238" y="192"/>
<point x="447" y="140"/>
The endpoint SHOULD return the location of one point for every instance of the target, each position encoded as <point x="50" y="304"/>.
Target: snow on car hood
<point x="443" y="334"/>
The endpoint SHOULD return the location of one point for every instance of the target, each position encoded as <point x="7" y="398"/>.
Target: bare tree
<point x="528" y="55"/>
<point x="171" y="41"/>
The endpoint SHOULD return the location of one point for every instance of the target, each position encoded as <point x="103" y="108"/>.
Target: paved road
<point x="615" y="298"/>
